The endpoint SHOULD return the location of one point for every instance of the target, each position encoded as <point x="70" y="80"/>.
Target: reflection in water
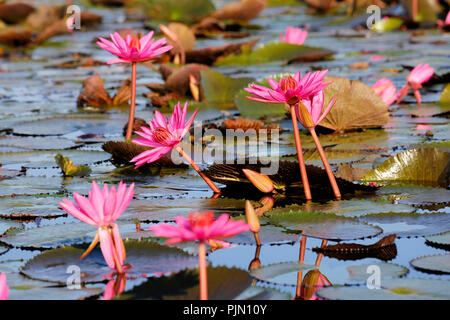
<point x="313" y="280"/>
<point x="115" y="287"/>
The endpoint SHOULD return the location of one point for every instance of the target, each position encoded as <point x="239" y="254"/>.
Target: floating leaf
<point x="324" y="226"/>
<point x="387" y="24"/>
<point x="286" y="273"/>
<point x="439" y="264"/>
<point x="394" y="289"/>
<point x="357" y="106"/>
<point x="39" y="159"/>
<point x="268" y="235"/>
<point x="69" y="169"/>
<point x="416" y="225"/>
<point x="270" y="52"/>
<point x="440" y="240"/>
<point x="240" y="10"/>
<point x="186" y="11"/>
<point x="445" y="97"/>
<point x="94" y="94"/>
<point x="147" y="259"/>
<point x="421" y="166"/>
<point x="22" y="288"/>
<point x="6" y="225"/>
<point x="24" y="208"/>
<point x="220" y="90"/>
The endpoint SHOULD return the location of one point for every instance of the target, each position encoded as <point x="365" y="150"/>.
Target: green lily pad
<point x="37" y="143"/>
<point x="67" y="234"/>
<point x="69" y="169"/>
<point x="349" y="208"/>
<point x="421" y="166"/>
<point x="439" y="264"/>
<point x="394" y="289"/>
<point x="219" y="89"/>
<point x="30" y="206"/>
<point x="22" y="288"/>
<point x="285" y="273"/>
<point x="186" y="11"/>
<point x="387" y="24"/>
<point x="440" y="240"/>
<point x="254" y="109"/>
<point x="410" y="225"/>
<point x="6" y="225"/>
<point x="445" y="97"/>
<point x="38" y="159"/>
<point x="268" y="235"/>
<point x="324" y="226"/>
<point x="147" y="258"/>
<point x="223" y="283"/>
<point x="270" y="52"/>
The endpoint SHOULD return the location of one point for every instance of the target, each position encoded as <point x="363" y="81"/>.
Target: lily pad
<point x="394" y="289"/>
<point x="268" y="235"/>
<point x="421" y="166"/>
<point x="41" y="159"/>
<point x="6" y="225"/>
<point x="270" y="52"/>
<point x="37" y="143"/>
<point x="439" y="264"/>
<point x="146" y="258"/>
<point x="410" y="225"/>
<point x="439" y="240"/>
<point x="285" y="273"/>
<point x="223" y="283"/>
<point x="69" y="169"/>
<point x="445" y="97"/>
<point x="324" y="226"/>
<point x="22" y="288"/>
<point x="219" y="89"/>
<point x="186" y="11"/>
<point x="30" y="207"/>
<point x="67" y="234"/>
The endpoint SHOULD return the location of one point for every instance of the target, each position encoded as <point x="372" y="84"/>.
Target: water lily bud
<point x="254" y="264"/>
<point x="194" y="86"/>
<point x="306" y="118"/>
<point x="251" y="217"/>
<point x="260" y="181"/>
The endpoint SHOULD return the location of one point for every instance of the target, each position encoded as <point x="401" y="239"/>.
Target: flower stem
<point x="330" y="174"/>
<point x="320" y="255"/>
<point x="300" y="261"/>
<point x="197" y="168"/>
<point x="414" y="9"/>
<point x="301" y="162"/>
<point x="202" y="268"/>
<point x="133" y="101"/>
<point x="402" y="93"/>
<point x="257" y="239"/>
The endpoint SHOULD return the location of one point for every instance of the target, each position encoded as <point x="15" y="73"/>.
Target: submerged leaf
<point x="421" y="166"/>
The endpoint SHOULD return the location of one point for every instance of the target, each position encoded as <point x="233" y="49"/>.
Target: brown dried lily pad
<point x="15" y="37"/>
<point x="94" y="93"/>
<point x="13" y="13"/>
<point x="241" y="11"/>
<point x="122" y="152"/>
<point x="385" y="249"/>
<point x="178" y="81"/>
<point x="44" y="16"/>
<point x="137" y="125"/>
<point x="208" y="26"/>
<point x="347" y="172"/>
<point x="248" y="124"/>
<point x="56" y="28"/>
<point x="357" y="106"/>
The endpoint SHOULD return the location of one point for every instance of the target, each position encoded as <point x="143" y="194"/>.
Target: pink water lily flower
<point x="294" y="36"/>
<point x="314" y="106"/>
<point x="386" y="90"/>
<point x="201" y="227"/>
<point x="4" y="289"/>
<point x="132" y="49"/>
<point x="163" y="135"/>
<point x="102" y="208"/>
<point x="419" y="75"/>
<point x="289" y="89"/>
